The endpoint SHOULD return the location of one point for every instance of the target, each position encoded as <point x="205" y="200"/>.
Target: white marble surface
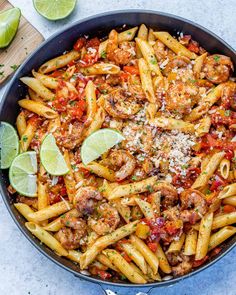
<point x="23" y="270"/>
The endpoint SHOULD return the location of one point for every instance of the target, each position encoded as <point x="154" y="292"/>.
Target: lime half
<point x="9" y="145"/>
<point x="22" y="174"/>
<point x="51" y="157"/>
<point x="98" y="143"/>
<point x="9" y="22"/>
<point x="54" y="9"/>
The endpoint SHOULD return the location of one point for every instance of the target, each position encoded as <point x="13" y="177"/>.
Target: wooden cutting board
<point x="26" y="40"/>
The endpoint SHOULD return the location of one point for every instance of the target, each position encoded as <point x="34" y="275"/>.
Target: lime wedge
<point x="9" y="22"/>
<point x="98" y="143"/>
<point x="51" y="157"/>
<point x="22" y="174"/>
<point x="54" y="9"/>
<point x="9" y="145"/>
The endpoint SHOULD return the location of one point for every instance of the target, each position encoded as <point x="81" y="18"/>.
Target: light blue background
<point x="23" y="270"/>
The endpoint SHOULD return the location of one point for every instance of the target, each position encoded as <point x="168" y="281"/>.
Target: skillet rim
<point x="26" y="233"/>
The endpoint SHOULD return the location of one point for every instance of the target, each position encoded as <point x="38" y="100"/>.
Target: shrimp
<point x="69" y="134"/>
<point x="161" y="51"/>
<point x="183" y="267"/>
<point x="124" y="160"/>
<point x="106" y="221"/>
<point x="70" y="238"/>
<point x="228" y="96"/>
<point x="180" y="97"/>
<point x="168" y="192"/>
<point x="217" y="68"/>
<point x="86" y="199"/>
<point x="193" y="206"/>
<point x="135" y="88"/>
<point x="119" y="104"/>
<point x="176" y="62"/>
<point x="121" y="53"/>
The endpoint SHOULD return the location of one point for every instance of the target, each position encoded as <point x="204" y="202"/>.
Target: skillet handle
<point x="107" y="291"/>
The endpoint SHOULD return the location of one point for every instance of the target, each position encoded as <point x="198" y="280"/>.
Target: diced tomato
<point x="152" y="246"/>
<point x="77" y="110"/>
<point x="94" y="42"/>
<point x="104" y="274"/>
<point x="71" y="63"/>
<point x="229" y="154"/>
<point x="186" y="181"/>
<point x="124" y="76"/>
<point x="185" y="39"/>
<point x="217" y="183"/>
<point x="53" y="199"/>
<point x="216" y="251"/>
<point x="63" y="191"/>
<point x="193" y="46"/>
<point x="34" y="120"/>
<point x="131" y="70"/>
<point x="125" y="256"/>
<point x="79" y="44"/>
<point x="197" y="263"/>
<point x="228" y="209"/>
<point x="225" y="117"/>
<point x="57" y="74"/>
<point x="210" y="142"/>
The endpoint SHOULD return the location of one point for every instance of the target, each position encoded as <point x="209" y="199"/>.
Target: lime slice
<point x="54" y="9"/>
<point x="9" y="22"/>
<point x="51" y="157"/>
<point x="9" y="145"/>
<point x="22" y="174"/>
<point x="98" y="143"/>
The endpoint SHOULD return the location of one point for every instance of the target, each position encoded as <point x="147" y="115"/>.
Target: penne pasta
<point x="225" y="168"/>
<point x="136" y="256"/>
<point x="21" y="123"/>
<point x="149" y="256"/>
<point x="142" y="34"/>
<point x="133" y="188"/>
<point x="220" y="236"/>
<point x="59" y="62"/>
<point x="149" y="55"/>
<point x="74" y="255"/>
<point x="105" y="261"/>
<point x="206" y="174"/>
<point x="163" y="261"/>
<point x="28" y="134"/>
<point x="103" y="242"/>
<point x="38" y="108"/>
<point x="198" y="63"/>
<point x="124" y="267"/>
<point x="230" y="201"/>
<point x="223" y="220"/>
<point x="174" y="45"/>
<point x="99" y="170"/>
<point x="96" y="123"/>
<point x="124" y="210"/>
<point x="90" y="101"/>
<point x="203" y="126"/>
<point x="101" y="69"/>
<point x="204" y="236"/>
<point x="204" y="106"/>
<point x="172" y="124"/>
<point x="24" y="210"/>
<point x="69" y="178"/>
<point x="50" y="211"/>
<point x="146" y="80"/>
<point x="190" y="242"/>
<point x="146" y="208"/>
<point x="38" y="88"/>
<point x="46" y="238"/>
<point x="54" y="225"/>
<point x="177" y="245"/>
<point x="228" y="191"/>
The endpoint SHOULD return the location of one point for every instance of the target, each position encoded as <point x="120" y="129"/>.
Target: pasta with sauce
<point x="158" y="203"/>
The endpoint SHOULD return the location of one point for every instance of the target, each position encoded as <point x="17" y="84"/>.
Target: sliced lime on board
<point x="54" y="9"/>
<point x="9" y="144"/>
<point x="98" y="143"/>
<point x="51" y="157"/>
<point x="22" y="174"/>
<point x="9" y="22"/>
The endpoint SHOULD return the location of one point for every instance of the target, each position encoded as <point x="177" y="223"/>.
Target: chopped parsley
<point x="216" y="58"/>
<point x="208" y="192"/>
<point x="134" y="177"/>
<point x="1" y="65"/>
<point x="103" y="54"/>
<point x="72" y="103"/>
<point x="24" y="138"/>
<point x="149" y="188"/>
<point x="227" y="113"/>
<point x="153" y="60"/>
<point x="73" y="166"/>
